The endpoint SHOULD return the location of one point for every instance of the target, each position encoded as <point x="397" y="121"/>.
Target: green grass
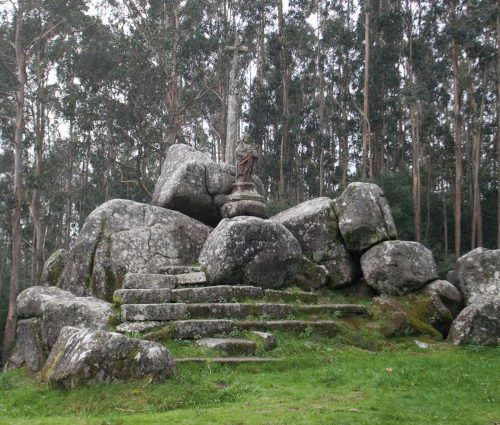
<point x="318" y="382"/>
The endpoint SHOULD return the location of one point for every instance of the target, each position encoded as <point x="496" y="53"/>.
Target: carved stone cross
<point x="233" y="104"/>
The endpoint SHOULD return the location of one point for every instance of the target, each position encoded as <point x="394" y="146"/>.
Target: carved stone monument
<point x="244" y="199"/>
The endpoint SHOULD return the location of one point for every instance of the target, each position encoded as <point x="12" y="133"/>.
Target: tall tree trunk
<point x="69" y="181"/>
<point x="321" y="101"/>
<point x="498" y="125"/>
<point x="10" y="325"/>
<point x="366" y="134"/>
<point x="458" y="134"/>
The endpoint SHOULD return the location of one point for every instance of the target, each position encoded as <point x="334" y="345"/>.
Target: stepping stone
<point x="155" y="312"/>
<point x="324" y="327"/>
<point x="148" y="281"/>
<point x="232" y="360"/>
<point x="231" y="346"/>
<point x="175" y="270"/>
<point x="142" y="296"/>
<point x="189" y="329"/>
<point x="213" y="294"/>
<point x="129" y="327"/>
<point x="305" y="297"/>
<point x="269" y="340"/>
<point x="194" y="278"/>
<point x="342" y="309"/>
<point x="240" y="310"/>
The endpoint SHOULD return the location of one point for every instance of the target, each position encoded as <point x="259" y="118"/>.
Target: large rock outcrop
<point x="190" y="182"/>
<point x="398" y="267"/>
<point x="478" y="323"/>
<point x="315" y="225"/>
<point x="84" y="356"/>
<point x="252" y="251"/>
<point x="44" y="311"/>
<point x="364" y="216"/>
<point x="478" y="273"/>
<point x="123" y="237"/>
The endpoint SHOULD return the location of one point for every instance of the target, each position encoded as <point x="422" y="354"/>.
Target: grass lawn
<point x="320" y="381"/>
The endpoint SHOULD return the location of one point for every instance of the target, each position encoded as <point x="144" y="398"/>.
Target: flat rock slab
<point x="148" y="281"/>
<point x="267" y="339"/>
<point x="191" y="329"/>
<point x="305" y="297"/>
<point x="142" y="296"/>
<point x="155" y="312"/>
<point x="231" y="346"/>
<point x="229" y="360"/>
<point x="140" y="327"/>
<point x="323" y="327"/>
<point x="175" y="270"/>
<point x="240" y="310"/>
<point x="212" y="294"/>
<point x="341" y="309"/>
<point x="83" y="356"/>
<point x="192" y="278"/>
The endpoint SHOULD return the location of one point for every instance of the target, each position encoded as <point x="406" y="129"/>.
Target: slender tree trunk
<point x="69" y="203"/>
<point x="10" y="325"/>
<point x="365" y="104"/>
<point x="498" y="124"/>
<point x="458" y="136"/>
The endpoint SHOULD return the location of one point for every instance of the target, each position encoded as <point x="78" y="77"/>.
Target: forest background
<point x="402" y="93"/>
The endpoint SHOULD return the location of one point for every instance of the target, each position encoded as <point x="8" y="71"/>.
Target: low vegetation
<point x="350" y="379"/>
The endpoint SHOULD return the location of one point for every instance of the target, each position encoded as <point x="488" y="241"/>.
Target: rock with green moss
<point x="396" y="317"/>
<point x="478" y="273"/>
<point x="398" y="267"/>
<point x="251" y="251"/>
<point x="54" y="268"/>
<point x="445" y="293"/>
<point x="56" y="308"/>
<point x="311" y="275"/>
<point x="123" y="237"/>
<point x="478" y="323"/>
<point x="314" y="224"/>
<point x="364" y="216"/>
<point x="30" y="347"/>
<point x="231" y="346"/>
<point x="84" y="356"/>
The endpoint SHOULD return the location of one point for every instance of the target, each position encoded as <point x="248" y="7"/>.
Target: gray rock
<point x="140" y="327"/>
<point x="220" y="310"/>
<point x="231" y="346"/>
<point x="29" y="343"/>
<point x="175" y="270"/>
<point x="478" y="323"/>
<point x="268" y="340"/>
<point x="311" y="276"/>
<point x="478" y="273"/>
<point x="148" y="281"/>
<point x="123" y="237"/>
<point x="190" y="182"/>
<point x="188" y="329"/>
<point x="445" y="293"/>
<point x="54" y="268"/>
<point x="365" y="218"/>
<point x="314" y="224"/>
<point x="154" y="312"/>
<point x="252" y="251"/>
<point x="212" y="294"/>
<point x="57" y="308"/>
<point x="244" y="207"/>
<point x="192" y="278"/>
<point x="274" y="311"/>
<point x="142" y="296"/>
<point x="276" y="296"/>
<point x="93" y="357"/>
<point x="398" y="267"/>
<point x="15" y="361"/>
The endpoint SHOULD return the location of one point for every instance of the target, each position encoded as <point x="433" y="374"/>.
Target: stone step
<point x="191" y="279"/>
<point x="154" y="312"/>
<point x="191" y="329"/>
<point x="213" y="294"/>
<point x="142" y="296"/>
<point x="227" y="360"/>
<point x="332" y="309"/>
<point x="324" y="327"/>
<point x="129" y="327"/>
<point x="175" y="270"/>
<point x="148" y="281"/>
<point x="276" y="296"/>
<point x="231" y="346"/>
<point x="240" y="310"/>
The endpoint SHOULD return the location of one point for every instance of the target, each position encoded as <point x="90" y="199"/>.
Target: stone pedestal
<point x="244" y="200"/>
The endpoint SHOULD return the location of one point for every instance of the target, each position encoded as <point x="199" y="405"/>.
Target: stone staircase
<point x="180" y="304"/>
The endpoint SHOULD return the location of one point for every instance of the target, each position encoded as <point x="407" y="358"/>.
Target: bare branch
<point x="41" y="37"/>
<point x="8" y="69"/>
<point x="7" y="118"/>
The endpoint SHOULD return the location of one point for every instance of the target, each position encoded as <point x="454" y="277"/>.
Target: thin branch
<point x="7" y="118"/>
<point x="40" y="37"/>
<point x="6" y="93"/>
<point x="8" y="70"/>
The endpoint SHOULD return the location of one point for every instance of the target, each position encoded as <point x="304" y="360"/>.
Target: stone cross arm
<point x="237" y="47"/>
